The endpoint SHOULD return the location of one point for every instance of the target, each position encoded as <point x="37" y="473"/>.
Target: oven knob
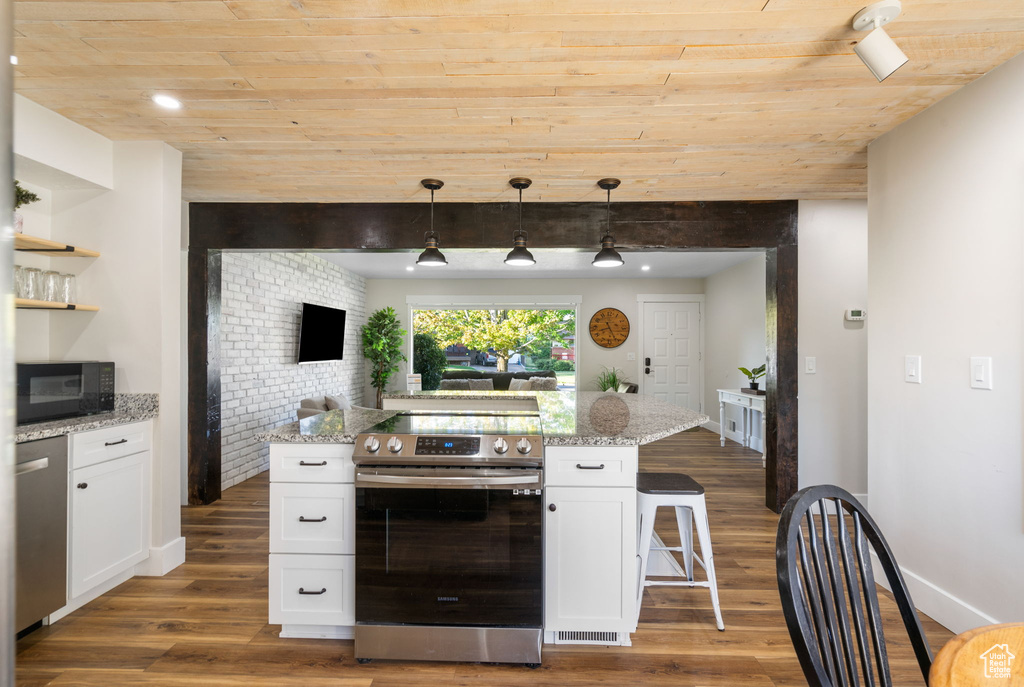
<point x="394" y="444"/>
<point x="524" y="446"/>
<point x="372" y="445"/>
<point x="500" y="445"/>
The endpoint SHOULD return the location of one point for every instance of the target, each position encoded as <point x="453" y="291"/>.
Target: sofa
<point x="500" y="380"/>
<point x="321" y="404"/>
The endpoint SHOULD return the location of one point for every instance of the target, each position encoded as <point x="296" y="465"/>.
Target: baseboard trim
<point x="713" y="426"/>
<point x="163" y="559"/>
<point x="317" y="632"/>
<point x="944" y="608"/>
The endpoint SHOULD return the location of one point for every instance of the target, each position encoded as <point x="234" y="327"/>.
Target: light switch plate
<point x="912" y="369"/>
<point x="810" y="365"/>
<point x="981" y="372"/>
<point x="631" y="356"/>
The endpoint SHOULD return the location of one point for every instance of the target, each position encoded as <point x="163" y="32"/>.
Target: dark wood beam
<point x="780" y="438"/>
<point x="204" y="465"/>
<point x="400" y="226"/>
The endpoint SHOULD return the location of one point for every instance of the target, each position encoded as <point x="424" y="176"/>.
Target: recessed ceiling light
<point x="14" y="59"/>
<point x="167" y="101"/>
<point x="409" y="268"/>
<point x="646" y="268"/>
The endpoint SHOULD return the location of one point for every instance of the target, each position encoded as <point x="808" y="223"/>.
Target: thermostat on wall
<point x="856" y="315"/>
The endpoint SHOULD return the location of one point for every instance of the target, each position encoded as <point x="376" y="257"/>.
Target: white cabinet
<point x="590" y="567"/>
<point x="109" y="529"/>
<point x="312" y="539"/>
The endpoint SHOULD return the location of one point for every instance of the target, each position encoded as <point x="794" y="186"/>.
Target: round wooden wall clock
<point x="609" y="328"/>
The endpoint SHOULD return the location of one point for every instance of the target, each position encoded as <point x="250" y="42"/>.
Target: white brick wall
<point x="261" y="384"/>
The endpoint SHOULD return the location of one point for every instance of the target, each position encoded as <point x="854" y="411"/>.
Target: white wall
<point x="833" y="277"/>
<point x="136" y="282"/>
<point x="734" y="336"/>
<point x="946" y="251"/>
<point x="262" y="383"/>
<point x="597" y="294"/>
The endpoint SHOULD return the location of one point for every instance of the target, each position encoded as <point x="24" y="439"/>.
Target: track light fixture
<point x="877" y="50"/>
<point x="431" y="256"/>
<point x="519" y="256"/>
<point x="608" y="256"/>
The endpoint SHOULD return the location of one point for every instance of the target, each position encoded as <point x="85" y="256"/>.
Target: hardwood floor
<point x="205" y="622"/>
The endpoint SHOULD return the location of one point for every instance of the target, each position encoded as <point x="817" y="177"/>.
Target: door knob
<point x="647" y="370"/>
<point x="552" y="508"/>
<point x="83" y="485"/>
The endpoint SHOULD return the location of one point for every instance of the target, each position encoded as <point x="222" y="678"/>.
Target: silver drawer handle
<point x="589" y="467"/>
<point x="448" y="481"/>
<point x="115" y="443"/>
<point x="303" y="591"/>
<point x="32" y="466"/>
<point x="314" y="465"/>
<point x="304" y="519"/>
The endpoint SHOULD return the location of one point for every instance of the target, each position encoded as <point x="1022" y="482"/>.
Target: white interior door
<point x="672" y="344"/>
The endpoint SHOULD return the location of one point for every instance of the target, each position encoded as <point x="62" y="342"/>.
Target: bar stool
<point x="656" y="489"/>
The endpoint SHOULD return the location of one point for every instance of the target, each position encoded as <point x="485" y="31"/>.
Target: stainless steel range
<point x="448" y="538"/>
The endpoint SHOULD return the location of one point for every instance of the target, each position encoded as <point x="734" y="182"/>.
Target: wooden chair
<point x="982" y="657"/>
<point x="828" y="591"/>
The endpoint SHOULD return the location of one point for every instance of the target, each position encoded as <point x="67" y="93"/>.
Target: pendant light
<point x="431" y="256"/>
<point x="519" y="256"/>
<point x="608" y="256"/>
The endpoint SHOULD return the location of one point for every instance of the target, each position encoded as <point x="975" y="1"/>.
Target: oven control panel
<point x="446" y="449"/>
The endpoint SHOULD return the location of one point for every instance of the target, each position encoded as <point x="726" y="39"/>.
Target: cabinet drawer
<point x="312" y="518"/>
<point x="325" y="463"/>
<point x="585" y="466"/>
<point x="736" y="399"/>
<point x="99" y="445"/>
<point x="312" y="590"/>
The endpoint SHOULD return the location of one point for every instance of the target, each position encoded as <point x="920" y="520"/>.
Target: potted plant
<point x="382" y="346"/>
<point x="21" y="197"/>
<point x="753" y="375"/>
<point x="609" y="380"/>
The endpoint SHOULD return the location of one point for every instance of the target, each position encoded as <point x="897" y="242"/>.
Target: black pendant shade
<point x="608" y="256"/>
<point x="519" y="256"/>
<point x="431" y="256"/>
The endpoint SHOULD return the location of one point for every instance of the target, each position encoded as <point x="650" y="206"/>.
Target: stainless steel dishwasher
<point x="41" y="484"/>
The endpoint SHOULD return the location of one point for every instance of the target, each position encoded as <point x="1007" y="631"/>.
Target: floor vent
<point x="581" y="637"/>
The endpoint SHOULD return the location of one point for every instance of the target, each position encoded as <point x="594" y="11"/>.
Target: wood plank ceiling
<point x="357" y="100"/>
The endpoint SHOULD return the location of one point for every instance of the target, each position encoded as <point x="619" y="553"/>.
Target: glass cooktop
<point x="460" y="422"/>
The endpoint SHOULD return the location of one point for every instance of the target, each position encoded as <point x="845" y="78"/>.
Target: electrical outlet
<point x="732" y="424"/>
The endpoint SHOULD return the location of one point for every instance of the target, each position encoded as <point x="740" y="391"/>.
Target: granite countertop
<point x="568" y="418"/>
<point x="128" y="408"/>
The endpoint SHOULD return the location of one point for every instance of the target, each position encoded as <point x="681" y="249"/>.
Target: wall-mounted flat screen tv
<point x="321" y="334"/>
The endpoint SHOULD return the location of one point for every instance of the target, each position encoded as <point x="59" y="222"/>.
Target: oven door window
<point x="448" y="557"/>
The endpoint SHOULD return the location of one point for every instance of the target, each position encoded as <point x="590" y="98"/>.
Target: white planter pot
<point x="18" y="222"/>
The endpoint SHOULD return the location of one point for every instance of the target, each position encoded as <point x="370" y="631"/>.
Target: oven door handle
<point x="372" y="480"/>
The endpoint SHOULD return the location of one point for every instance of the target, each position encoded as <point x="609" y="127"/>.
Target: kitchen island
<point x="590" y="442"/>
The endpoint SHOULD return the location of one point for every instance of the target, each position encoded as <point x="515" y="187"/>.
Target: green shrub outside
<point x="554" y="365"/>
<point x="428" y="360"/>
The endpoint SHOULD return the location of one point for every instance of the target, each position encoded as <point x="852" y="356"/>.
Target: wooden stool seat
<point x="667" y="483"/>
<point x="686" y="495"/>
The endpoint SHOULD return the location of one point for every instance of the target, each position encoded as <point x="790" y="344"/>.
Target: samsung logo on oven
<point x="447" y="598"/>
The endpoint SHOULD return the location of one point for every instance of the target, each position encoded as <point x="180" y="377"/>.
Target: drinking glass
<point x="68" y="288"/>
<point x="51" y="286"/>
<point x="32" y="283"/>
<point x="18" y="279"/>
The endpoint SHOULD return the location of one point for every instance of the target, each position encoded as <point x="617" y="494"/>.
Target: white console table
<point x="749" y="403"/>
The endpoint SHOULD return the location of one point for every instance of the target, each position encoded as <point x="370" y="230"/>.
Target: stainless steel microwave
<point x="61" y="389"/>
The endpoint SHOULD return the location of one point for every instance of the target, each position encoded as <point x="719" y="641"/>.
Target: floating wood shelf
<point x="25" y="303"/>
<point x="53" y="249"/>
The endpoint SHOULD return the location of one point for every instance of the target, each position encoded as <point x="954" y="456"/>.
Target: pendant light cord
<point x="520" y="212"/>
<point x="432" y="213"/>
<point x="609" y="231"/>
